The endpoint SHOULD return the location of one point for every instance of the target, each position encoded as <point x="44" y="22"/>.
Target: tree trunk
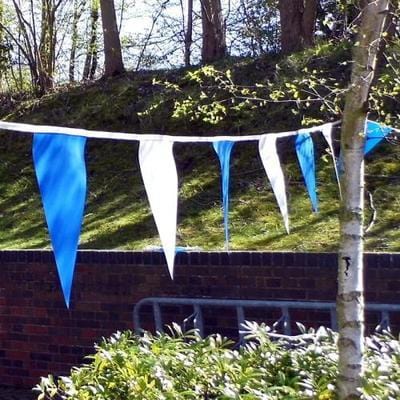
<point x="47" y="46"/>
<point x="350" y="301"/>
<point x="188" y="33"/>
<point x="112" y="45"/>
<point x="90" y="66"/>
<point x="298" y="18"/>
<point x="74" y="40"/>
<point x="3" y="47"/>
<point x="308" y="21"/>
<point x="214" y="43"/>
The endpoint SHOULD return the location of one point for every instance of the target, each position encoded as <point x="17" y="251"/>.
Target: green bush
<point x="183" y="366"/>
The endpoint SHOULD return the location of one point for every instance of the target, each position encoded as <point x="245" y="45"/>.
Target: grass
<point x="117" y="214"/>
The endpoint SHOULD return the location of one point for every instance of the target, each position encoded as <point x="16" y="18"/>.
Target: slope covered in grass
<point x="117" y="213"/>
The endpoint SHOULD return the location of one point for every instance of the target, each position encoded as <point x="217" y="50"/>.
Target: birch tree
<point x="350" y="301"/>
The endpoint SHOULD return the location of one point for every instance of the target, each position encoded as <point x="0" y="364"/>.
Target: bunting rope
<point x="49" y="129"/>
<point x="94" y="134"/>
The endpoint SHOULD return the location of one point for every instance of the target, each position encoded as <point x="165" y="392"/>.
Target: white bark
<point x="350" y="301"/>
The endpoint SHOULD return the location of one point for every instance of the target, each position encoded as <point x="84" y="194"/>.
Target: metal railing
<point x="240" y="305"/>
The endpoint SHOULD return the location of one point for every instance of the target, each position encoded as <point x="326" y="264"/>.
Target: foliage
<point x="385" y="94"/>
<point x="182" y="366"/>
<point x="254" y="28"/>
<point x="307" y="84"/>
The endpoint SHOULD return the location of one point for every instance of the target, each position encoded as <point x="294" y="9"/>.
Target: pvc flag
<point x="160" y="178"/>
<point x="223" y="149"/>
<point x="61" y="174"/>
<point x="305" y="155"/>
<point x="272" y="166"/>
<point x="375" y="134"/>
<point x="327" y="133"/>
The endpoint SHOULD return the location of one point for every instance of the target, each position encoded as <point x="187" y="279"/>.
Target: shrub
<point x="181" y="366"/>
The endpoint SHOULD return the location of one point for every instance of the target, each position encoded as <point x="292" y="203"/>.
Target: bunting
<point x="327" y="134"/>
<point x="58" y="155"/>
<point x="305" y="155"/>
<point x="273" y="169"/>
<point x="223" y="150"/>
<point x="157" y="165"/>
<point x="375" y="134"/>
<point x="61" y="174"/>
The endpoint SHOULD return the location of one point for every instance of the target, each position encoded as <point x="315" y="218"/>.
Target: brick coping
<point x="226" y="258"/>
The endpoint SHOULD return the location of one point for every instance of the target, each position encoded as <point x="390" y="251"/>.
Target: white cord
<point x="31" y="128"/>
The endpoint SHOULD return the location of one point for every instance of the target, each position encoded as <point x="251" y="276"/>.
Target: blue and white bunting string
<point x="61" y="174"/>
<point x="223" y="149"/>
<point x="95" y="134"/>
<point x="58" y="154"/>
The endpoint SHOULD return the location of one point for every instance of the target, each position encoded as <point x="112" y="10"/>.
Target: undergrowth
<point x="183" y="366"/>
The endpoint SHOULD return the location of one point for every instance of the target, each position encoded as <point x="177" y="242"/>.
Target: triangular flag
<point x="223" y="149"/>
<point x="305" y="155"/>
<point x="273" y="169"/>
<point x="375" y="134"/>
<point x="160" y="178"/>
<point x="61" y="174"/>
<point x="327" y="133"/>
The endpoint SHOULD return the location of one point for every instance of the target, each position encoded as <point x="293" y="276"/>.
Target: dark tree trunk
<point x="47" y="46"/>
<point x="74" y="42"/>
<point x="188" y="33"/>
<point x="3" y="47"/>
<point x="112" y="45"/>
<point x="309" y="18"/>
<point x="91" y="57"/>
<point x="214" y="44"/>
<point x="298" y="18"/>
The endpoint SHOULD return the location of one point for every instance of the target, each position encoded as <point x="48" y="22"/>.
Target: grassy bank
<point x="117" y="213"/>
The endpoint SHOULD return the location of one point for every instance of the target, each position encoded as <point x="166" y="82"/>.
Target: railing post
<point x="198" y="319"/>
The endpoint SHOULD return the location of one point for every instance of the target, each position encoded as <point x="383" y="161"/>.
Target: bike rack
<point x="241" y="305"/>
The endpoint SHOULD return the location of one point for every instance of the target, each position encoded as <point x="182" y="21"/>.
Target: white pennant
<point x="272" y="166"/>
<point x="327" y="133"/>
<point x="160" y="178"/>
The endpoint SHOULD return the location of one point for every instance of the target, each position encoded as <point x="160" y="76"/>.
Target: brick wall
<point x="38" y="335"/>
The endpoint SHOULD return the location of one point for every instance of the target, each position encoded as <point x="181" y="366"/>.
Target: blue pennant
<point x="305" y="155"/>
<point x="375" y="134"/>
<point x="223" y="149"/>
<point x="61" y="173"/>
